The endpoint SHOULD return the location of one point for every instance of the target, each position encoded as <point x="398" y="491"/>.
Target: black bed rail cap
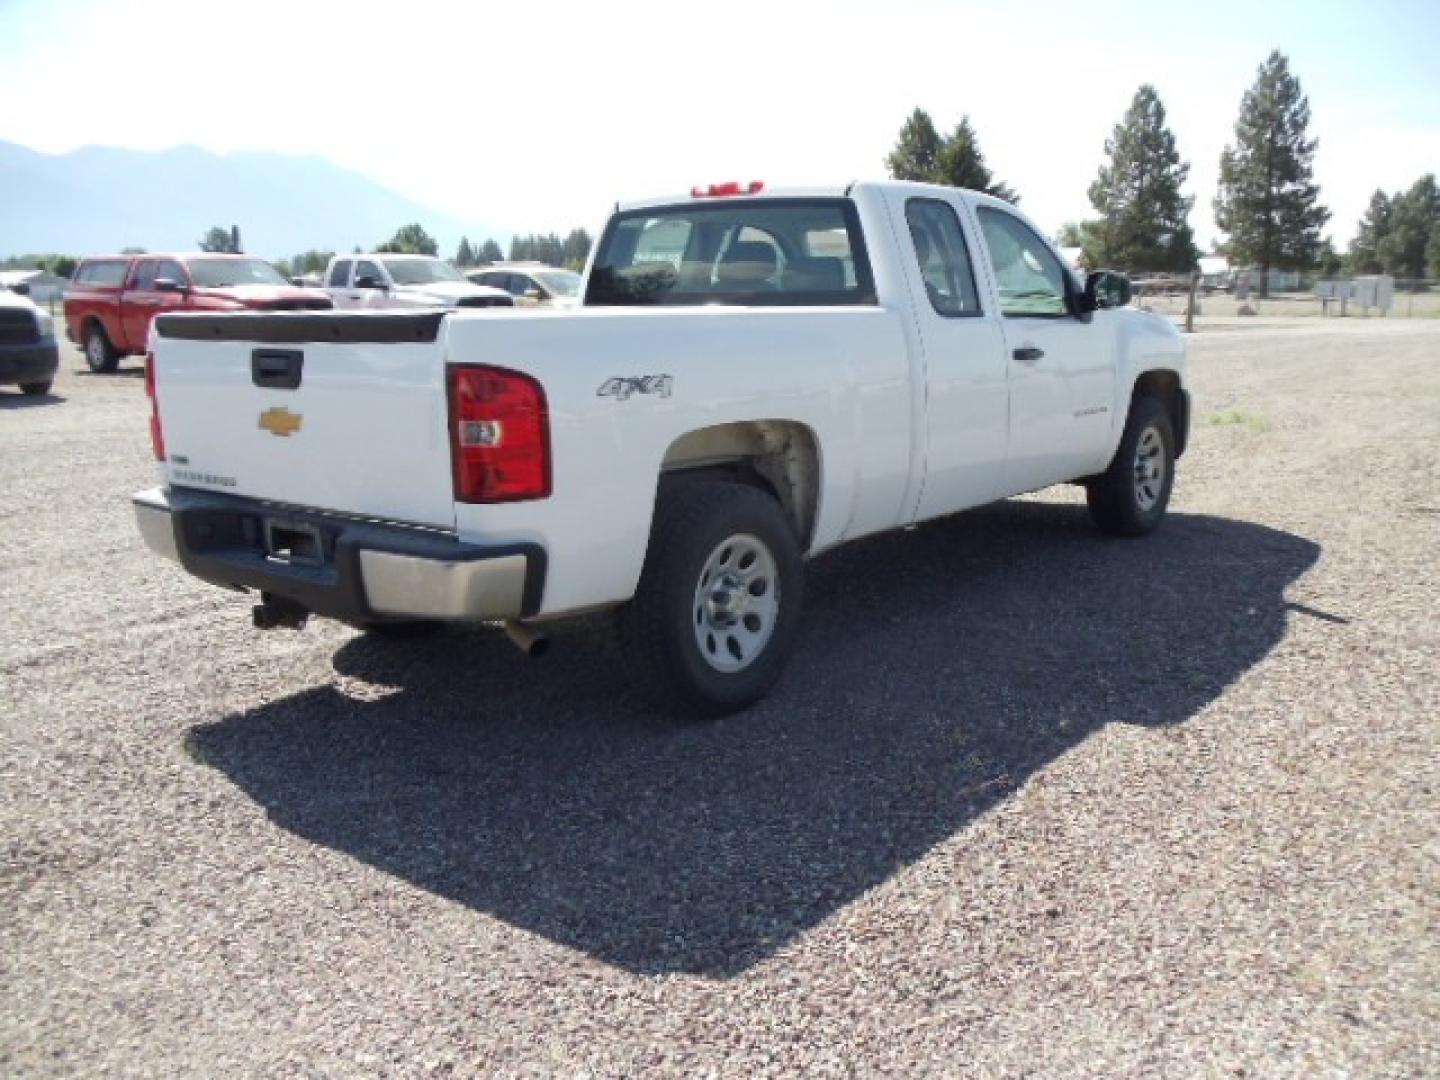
<point x="299" y="327"/>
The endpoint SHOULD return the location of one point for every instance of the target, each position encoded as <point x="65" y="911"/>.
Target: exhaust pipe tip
<point x="528" y="640"/>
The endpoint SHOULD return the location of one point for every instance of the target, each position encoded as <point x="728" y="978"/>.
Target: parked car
<point x="29" y="357"/>
<point x="385" y="281"/>
<point x="112" y="299"/>
<point x="531" y="283"/>
<point x="754" y="378"/>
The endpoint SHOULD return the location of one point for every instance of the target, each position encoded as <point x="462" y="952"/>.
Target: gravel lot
<point x="1028" y="802"/>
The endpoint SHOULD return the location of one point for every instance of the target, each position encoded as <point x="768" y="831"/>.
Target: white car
<point x="754" y="378"/>
<point x="388" y="282"/>
<point x="531" y="283"/>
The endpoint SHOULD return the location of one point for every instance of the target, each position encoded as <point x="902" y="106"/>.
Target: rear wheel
<point x="100" y="355"/>
<point x="717" y="610"/>
<point x="1131" y="496"/>
<point x="36" y="389"/>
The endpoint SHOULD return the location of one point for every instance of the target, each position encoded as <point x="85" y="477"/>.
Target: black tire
<point x="100" y="355"/>
<point x="659" y="630"/>
<point x="1123" y="502"/>
<point x="37" y="389"/>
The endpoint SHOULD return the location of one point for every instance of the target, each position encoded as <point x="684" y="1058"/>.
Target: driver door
<point x="1060" y="369"/>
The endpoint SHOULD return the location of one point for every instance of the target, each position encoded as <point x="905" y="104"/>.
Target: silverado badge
<point x="280" y="421"/>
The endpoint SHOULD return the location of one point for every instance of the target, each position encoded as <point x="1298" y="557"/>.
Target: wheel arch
<point x="781" y="457"/>
<point x="1164" y="385"/>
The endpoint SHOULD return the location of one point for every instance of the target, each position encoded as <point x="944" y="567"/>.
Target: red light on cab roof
<point x="733" y="187"/>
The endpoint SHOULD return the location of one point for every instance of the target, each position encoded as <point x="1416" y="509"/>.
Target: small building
<point x="40" y="286"/>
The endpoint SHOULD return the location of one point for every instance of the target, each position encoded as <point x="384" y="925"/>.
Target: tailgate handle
<point x="276" y="369"/>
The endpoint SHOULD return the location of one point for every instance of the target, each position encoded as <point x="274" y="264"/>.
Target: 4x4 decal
<point x="621" y="387"/>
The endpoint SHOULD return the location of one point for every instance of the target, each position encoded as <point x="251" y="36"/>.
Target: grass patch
<point x="1239" y="418"/>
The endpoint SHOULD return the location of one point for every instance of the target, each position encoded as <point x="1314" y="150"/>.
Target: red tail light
<point x="157" y="433"/>
<point x="499" y="435"/>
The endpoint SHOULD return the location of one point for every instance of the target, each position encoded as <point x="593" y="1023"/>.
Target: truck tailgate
<point x="341" y="411"/>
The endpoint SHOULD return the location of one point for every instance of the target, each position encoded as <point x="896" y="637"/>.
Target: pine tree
<point x="1269" y="202"/>
<point x="464" y="254"/>
<point x="1414" y="217"/>
<point x="490" y="252"/>
<point x="217" y="240"/>
<point x="961" y="164"/>
<point x="917" y="154"/>
<point x="410" y="240"/>
<point x="235" y="247"/>
<point x="1432" y="252"/>
<point x="1143" y="222"/>
<point x="1365" y="248"/>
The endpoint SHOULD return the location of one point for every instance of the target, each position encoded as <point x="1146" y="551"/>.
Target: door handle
<point x="1028" y="354"/>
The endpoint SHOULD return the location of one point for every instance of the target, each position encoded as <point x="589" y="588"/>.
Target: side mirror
<point x="365" y="281"/>
<point x="165" y="284"/>
<point x="20" y="288"/>
<point x="1105" y="289"/>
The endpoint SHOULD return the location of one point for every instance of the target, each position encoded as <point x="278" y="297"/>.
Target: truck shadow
<point x="940" y="668"/>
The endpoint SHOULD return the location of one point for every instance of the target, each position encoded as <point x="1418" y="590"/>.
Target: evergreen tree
<point x="917" y="154"/>
<point x="464" y="254"/>
<point x="1365" y="248"/>
<point x="1414" y="217"/>
<point x="218" y="240"/>
<point x="576" y="248"/>
<point x="411" y="240"/>
<point x="1269" y="202"/>
<point x="1143" y="222"/>
<point x="1432" y="253"/>
<point x="235" y="247"/>
<point x="490" y="252"/>
<point x="961" y="164"/>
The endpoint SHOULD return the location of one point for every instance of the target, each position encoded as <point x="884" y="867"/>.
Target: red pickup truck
<point x="113" y="298"/>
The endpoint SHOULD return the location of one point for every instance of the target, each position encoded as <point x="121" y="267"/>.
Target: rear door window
<point x="339" y="274"/>
<point x="943" y="258"/>
<point x="774" y="252"/>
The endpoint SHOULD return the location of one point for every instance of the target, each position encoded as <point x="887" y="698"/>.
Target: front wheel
<point x="36" y="389"/>
<point x="1131" y="496"/>
<point x="717" y="611"/>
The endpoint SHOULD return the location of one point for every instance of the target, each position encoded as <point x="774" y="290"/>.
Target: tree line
<point x="1268" y="204"/>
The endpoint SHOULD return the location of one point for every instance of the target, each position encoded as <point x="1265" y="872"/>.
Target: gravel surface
<point x="1028" y="801"/>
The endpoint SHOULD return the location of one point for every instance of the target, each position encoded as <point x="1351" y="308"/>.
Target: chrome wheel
<point x="1149" y="468"/>
<point x="737" y="600"/>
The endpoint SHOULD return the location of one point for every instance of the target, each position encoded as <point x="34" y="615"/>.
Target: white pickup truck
<point x="384" y="282"/>
<point x="754" y="377"/>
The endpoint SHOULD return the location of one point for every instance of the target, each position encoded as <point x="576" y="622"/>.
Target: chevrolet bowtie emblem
<point x="280" y="421"/>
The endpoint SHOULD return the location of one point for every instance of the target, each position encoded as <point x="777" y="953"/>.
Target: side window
<point x="518" y="284"/>
<point x="339" y="274"/>
<point x="144" y="275"/>
<point x="1029" y="278"/>
<point x="171" y="269"/>
<point x="370" y="270"/>
<point x="943" y="257"/>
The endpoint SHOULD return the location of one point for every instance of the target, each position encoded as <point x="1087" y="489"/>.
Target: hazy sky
<point x="538" y="114"/>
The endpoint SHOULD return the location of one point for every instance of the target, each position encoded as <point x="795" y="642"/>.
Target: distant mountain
<point x="103" y="199"/>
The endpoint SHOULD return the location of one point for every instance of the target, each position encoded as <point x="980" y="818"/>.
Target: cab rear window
<point x="743" y="252"/>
